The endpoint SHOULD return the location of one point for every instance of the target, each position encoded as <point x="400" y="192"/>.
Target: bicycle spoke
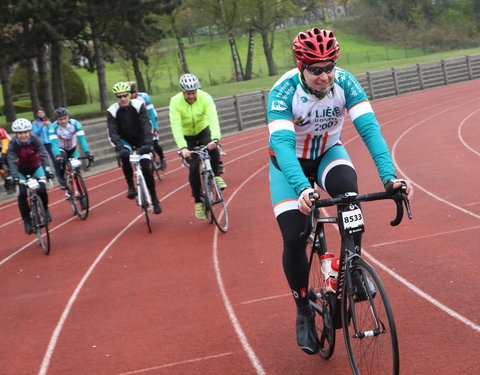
<point x="40" y="224"/>
<point x="322" y="302"/>
<point x="217" y="205"/>
<point x="369" y="327"/>
<point x="79" y="197"/>
<point x="143" y="201"/>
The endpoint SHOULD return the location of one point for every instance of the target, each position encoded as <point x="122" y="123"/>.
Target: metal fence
<point x="240" y="112"/>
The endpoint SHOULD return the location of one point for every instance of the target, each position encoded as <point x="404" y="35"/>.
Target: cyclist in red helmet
<point x="306" y="111"/>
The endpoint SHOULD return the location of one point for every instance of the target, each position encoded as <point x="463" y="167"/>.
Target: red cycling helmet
<point x="315" y="45"/>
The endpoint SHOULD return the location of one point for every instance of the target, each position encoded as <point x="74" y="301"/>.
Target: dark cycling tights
<point x="23" y="200"/>
<point x="340" y="179"/>
<point x="147" y="173"/>
<point x="201" y="138"/>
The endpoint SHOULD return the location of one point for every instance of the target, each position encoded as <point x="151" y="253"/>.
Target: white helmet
<point x="189" y="82"/>
<point x="21" y="125"/>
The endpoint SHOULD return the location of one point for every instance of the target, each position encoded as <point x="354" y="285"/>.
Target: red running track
<point x="187" y="299"/>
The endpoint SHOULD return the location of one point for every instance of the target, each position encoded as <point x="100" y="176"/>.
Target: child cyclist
<point x="65" y="132"/>
<point x="27" y="156"/>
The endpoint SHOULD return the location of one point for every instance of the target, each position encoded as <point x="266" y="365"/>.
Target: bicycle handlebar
<point x="198" y="150"/>
<point x="91" y="160"/>
<point x="400" y="198"/>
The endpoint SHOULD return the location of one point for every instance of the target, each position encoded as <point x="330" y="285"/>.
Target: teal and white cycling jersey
<point x="66" y="137"/>
<point x="152" y="113"/>
<point x="303" y="126"/>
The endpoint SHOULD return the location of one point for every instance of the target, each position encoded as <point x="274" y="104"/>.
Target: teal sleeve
<point x="369" y="129"/>
<point x="81" y="137"/>
<point x="52" y="132"/>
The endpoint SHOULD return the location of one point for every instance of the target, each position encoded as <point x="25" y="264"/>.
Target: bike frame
<point x="140" y="180"/>
<point x="347" y="254"/>
<point x="34" y="200"/>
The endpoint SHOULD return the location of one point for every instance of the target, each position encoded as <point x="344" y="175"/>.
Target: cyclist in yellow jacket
<point x="194" y="121"/>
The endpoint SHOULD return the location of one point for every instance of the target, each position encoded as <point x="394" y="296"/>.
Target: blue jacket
<point x="41" y="131"/>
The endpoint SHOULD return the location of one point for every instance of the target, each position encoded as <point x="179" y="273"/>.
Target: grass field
<point x="211" y="62"/>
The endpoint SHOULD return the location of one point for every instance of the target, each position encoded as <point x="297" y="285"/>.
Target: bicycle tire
<point x="143" y="201"/>
<point x="216" y="204"/>
<point x="204" y="196"/>
<point x="40" y="225"/>
<point x="79" y="197"/>
<point x="322" y="302"/>
<point x="155" y="166"/>
<point x="368" y="323"/>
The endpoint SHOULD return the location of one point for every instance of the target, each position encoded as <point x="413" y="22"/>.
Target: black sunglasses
<point x="122" y="96"/>
<point x="317" y="70"/>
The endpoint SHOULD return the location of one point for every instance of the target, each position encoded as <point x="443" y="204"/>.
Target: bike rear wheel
<point x="215" y="204"/>
<point x="322" y="302"/>
<point x="40" y="225"/>
<point x="79" y="197"/>
<point x="156" y="170"/>
<point x="368" y="324"/>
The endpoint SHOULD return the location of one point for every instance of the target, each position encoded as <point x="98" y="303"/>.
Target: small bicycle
<point x="38" y="214"/>
<point x="211" y="195"/>
<point x="144" y="200"/>
<point x="359" y="303"/>
<point x="77" y="193"/>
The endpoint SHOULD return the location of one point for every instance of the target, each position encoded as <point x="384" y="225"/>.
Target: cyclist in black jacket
<point x="129" y="126"/>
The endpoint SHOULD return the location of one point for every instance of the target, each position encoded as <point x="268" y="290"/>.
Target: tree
<point x="8" y="48"/>
<point x="225" y="14"/>
<point x="136" y="32"/>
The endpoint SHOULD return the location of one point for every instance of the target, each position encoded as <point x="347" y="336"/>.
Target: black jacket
<point x="131" y="124"/>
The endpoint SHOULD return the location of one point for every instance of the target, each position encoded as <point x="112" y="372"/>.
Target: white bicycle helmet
<point x="189" y="82"/>
<point x="21" y="125"/>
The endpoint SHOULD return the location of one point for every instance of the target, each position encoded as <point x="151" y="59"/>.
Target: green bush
<point x="74" y="87"/>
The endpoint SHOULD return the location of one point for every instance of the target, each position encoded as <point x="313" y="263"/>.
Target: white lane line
<point x="56" y="333"/>
<point x="415" y="289"/>
<point x="425" y="236"/>
<point x="408" y="284"/>
<point x="226" y="300"/>
<point x="54" y="229"/>
<point x="266" y="298"/>
<point x="422" y="294"/>
<point x="394" y="149"/>
<point x="215" y="356"/>
<point x="459" y="132"/>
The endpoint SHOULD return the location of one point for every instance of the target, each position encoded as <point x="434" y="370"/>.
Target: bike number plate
<point x="75" y="163"/>
<point x="134" y="158"/>
<point x="353" y="220"/>
<point x="33" y="184"/>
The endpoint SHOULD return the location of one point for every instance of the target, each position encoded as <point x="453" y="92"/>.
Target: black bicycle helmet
<point x="61" y="112"/>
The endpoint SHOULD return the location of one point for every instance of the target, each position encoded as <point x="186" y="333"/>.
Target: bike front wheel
<point x="322" y="301"/>
<point x="368" y="324"/>
<point x="143" y="201"/>
<point x="215" y="204"/>
<point x="40" y="224"/>
<point x="79" y="197"/>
